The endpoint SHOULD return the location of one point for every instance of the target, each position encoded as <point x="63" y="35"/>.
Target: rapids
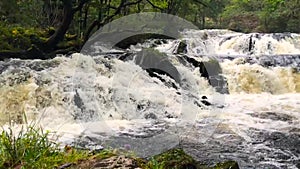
<point x="101" y="100"/>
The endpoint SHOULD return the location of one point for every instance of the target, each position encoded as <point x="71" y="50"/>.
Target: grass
<point x="154" y="164"/>
<point x="31" y="148"/>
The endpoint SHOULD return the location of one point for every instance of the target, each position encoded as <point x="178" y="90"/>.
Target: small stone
<point x="206" y="103"/>
<point x="150" y="116"/>
<point x="204" y="97"/>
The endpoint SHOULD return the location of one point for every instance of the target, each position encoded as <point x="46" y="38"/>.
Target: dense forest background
<point x="36" y="27"/>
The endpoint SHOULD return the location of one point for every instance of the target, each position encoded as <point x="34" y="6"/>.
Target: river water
<point x="101" y="100"/>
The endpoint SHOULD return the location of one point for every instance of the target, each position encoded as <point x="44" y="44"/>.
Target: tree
<point x="68" y="15"/>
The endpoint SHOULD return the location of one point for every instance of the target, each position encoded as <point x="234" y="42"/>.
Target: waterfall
<point x="213" y="89"/>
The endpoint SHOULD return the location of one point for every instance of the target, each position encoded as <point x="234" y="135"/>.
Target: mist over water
<point x="107" y="101"/>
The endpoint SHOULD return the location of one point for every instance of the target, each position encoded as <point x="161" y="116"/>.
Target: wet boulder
<point x="212" y="71"/>
<point x="156" y="62"/>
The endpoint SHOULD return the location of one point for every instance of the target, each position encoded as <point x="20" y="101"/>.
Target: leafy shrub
<point x="20" y="38"/>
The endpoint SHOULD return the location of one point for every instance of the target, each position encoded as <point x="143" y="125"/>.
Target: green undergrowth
<point x="16" y="38"/>
<point x="31" y="148"/>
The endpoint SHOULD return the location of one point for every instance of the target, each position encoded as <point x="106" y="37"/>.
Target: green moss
<point x="174" y="158"/>
<point x="227" y="165"/>
<point x="178" y="159"/>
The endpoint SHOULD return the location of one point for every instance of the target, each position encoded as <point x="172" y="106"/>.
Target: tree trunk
<point x="61" y="31"/>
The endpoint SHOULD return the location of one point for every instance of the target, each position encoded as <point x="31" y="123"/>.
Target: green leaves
<point x="271" y="15"/>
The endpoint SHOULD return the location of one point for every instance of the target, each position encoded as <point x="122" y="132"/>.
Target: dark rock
<point x="42" y="65"/>
<point x="78" y="101"/>
<point x="152" y="60"/>
<point x="140" y="107"/>
<point x="155" y="72"/>
<point x="158" y="42"/>
<point x="182" y="47"/>
<point x="204" y="97"/>
<point x="280" y="36"/>
<point x="220" y="106"/>
<point x="150" y="116"/>
<point x="3" y="67"/>
<point x="206" y="103"/>
<point x="168" y="115"/>
<point x="126" y="56"/>
<point x="225" y="39"/>
<point x="251" y="45"/>
<point x="212" y="71"/>
<point x="198" y="104"/>
<point x="273" y="116"/>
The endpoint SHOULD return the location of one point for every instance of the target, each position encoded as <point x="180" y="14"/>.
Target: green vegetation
<point x="178" y="159"/>
<point x="17" y="37"/>
<point x="175" y="158"/>
<point x="32" y="148"/>
<point x="262" y="15"/>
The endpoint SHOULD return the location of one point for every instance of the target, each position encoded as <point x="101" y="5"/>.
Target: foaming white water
<point x="246" y="111"/>
<point x="91" y="89"/>
<point x="99" y="97"/>
<point x="246" y="78"/>
<point x="225" y="42"/>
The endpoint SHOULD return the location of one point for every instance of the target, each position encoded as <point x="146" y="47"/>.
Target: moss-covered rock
<point x="174" y="158"/>
<point x="178" y="159"/>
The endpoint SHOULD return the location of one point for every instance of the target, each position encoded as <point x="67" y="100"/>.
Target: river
<point x="251" y="116"/>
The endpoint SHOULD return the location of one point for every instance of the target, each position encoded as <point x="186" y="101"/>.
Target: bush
<point x="19" y="38"/>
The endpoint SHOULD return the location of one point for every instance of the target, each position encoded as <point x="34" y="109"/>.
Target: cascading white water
<point x="102" y="97"/>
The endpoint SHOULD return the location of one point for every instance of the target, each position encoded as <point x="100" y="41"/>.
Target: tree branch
<point x="80" y="5"/>
<point x="202" y="3"/>
<point x="154" y="6"/>
<point x="108" y="18"/>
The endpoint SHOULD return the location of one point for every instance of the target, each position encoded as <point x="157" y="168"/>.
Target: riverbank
<point x="31" y="148"/>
